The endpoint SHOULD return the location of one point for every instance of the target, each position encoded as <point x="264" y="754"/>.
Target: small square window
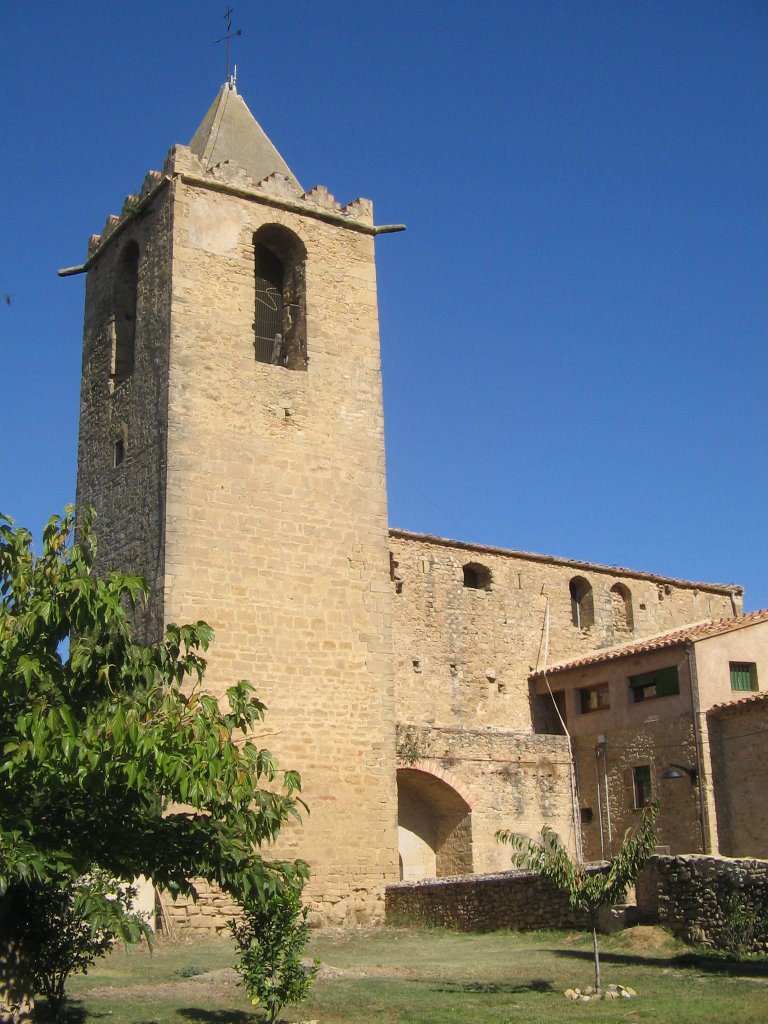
<point x="641" y="781"/>
<point x="594" y="698"/>
<point x="476" y="576"/>
<point x="743" y="675"/>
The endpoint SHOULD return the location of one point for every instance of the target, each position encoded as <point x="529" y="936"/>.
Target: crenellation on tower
<point x="279" y="188"/>
<point x="132" y="205"/>
<point x="321" y="197"/>
<point x="360" y="209"/>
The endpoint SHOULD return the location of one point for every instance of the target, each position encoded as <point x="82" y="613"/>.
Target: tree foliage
<point x="111" y="754"/>
<point x="586" y="889"/>
<point x="270" y="939"/>
<point x="70" y="923"/>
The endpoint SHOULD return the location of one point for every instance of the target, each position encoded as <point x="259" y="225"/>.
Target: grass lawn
<point x="408" y="976"/>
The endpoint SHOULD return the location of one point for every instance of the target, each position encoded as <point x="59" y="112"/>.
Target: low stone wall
<point x="711" y="901"/>
<point x="482" y="903"/>
<point x="209" y="915"/>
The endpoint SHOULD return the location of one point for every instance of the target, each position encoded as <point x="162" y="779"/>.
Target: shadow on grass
<point x="71" y="1012"/>
<point x="494" y="988"/>
<point x="201" y="1016"/>
<point x="702" y="962"/>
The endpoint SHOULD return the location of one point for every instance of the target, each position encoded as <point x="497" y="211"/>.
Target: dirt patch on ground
<point x="214" y="983"/>
<point x="222" y="984"/>
<point x="644" y="939"/>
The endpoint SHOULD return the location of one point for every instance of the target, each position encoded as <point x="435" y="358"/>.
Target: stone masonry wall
<point x="207" y="915"/>
<point x="482" y="903"/>
<point x="129" y="498"/>
<point x="463" y="655"/>
<point x="695" y="896"/>
<point x="739" y="745"/>
<point x="510" y="780"/>
<point x="655" y="744"/>
<point x="690" y="895"/>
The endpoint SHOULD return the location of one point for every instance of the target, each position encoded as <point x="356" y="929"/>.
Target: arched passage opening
<point x="434" y="827"/>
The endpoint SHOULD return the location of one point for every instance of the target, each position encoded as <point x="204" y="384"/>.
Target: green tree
<point x="270" y="939"/>
<point x="72" y="922"/>
<point x="586" y="890"/>
<point x="112" y="756"/>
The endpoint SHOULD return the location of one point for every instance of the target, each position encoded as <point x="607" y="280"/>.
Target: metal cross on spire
<point x="226" y="39"/>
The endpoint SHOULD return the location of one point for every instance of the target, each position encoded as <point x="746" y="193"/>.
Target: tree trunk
<point x="17" y="987"/>
<point x="597" y="955"/>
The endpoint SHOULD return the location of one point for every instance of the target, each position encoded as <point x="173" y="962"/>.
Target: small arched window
<point x="280" y="322"/>
<point x="477" y="576"/>
<point x="125" y="299"/>
<point x="582" y="602"/>
<point x="621" y="609"/>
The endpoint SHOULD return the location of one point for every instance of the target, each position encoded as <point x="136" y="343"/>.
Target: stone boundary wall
<point x="482" y="903"/>
<point x="184" y="917"/>
<point x="695" y="896"/>
<point x="704" y="900"/>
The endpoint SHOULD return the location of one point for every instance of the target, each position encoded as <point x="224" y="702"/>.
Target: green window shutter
<point x="643" y="791"/>
<point x="665" y="682"/>
<point x="741" y="676"/>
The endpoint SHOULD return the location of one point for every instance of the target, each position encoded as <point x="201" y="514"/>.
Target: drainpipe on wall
<point x="695" y="707"/>
<point x="607" y="795"/>
<point x="598" y="751"/>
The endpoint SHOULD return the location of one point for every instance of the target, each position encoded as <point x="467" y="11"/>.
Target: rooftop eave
<point x="612" y="570"/>
<point x="685" y="637"/>
<point x="738" y="706"/>
<point x="133" y="206"/>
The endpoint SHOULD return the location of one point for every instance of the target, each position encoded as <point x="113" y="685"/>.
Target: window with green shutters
<point x="664" y="682"/>
<point x="743" y="675"/>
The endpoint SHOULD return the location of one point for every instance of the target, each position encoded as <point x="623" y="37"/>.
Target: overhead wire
<point x="575" y="813"/>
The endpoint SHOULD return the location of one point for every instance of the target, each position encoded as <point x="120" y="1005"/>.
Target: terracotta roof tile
<point x="740" y="704"/>
<point x="674" y="638"/>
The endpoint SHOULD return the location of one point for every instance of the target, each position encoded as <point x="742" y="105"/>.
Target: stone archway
<point x="434" y="826"/>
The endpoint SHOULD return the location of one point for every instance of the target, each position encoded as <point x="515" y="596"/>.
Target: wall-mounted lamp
<point x="679" y="771"/>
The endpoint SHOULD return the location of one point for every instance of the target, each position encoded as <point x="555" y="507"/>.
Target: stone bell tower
<point x="231" y="440"/>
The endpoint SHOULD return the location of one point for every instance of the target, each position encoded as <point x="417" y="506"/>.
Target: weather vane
<point x="226" y="39"/>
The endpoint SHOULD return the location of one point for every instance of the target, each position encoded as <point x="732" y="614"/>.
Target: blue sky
<point x="574" y="325"/>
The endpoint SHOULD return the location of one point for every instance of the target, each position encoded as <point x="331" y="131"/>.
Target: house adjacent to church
<point x="659" y="717"/>
<point x="738" y="731"/>
<point x="231" y="440"/>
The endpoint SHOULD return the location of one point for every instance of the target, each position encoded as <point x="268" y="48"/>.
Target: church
<point x="232" y="443"/>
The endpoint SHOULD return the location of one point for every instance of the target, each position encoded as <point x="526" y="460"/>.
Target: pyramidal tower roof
<point x="229" y="131"/>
